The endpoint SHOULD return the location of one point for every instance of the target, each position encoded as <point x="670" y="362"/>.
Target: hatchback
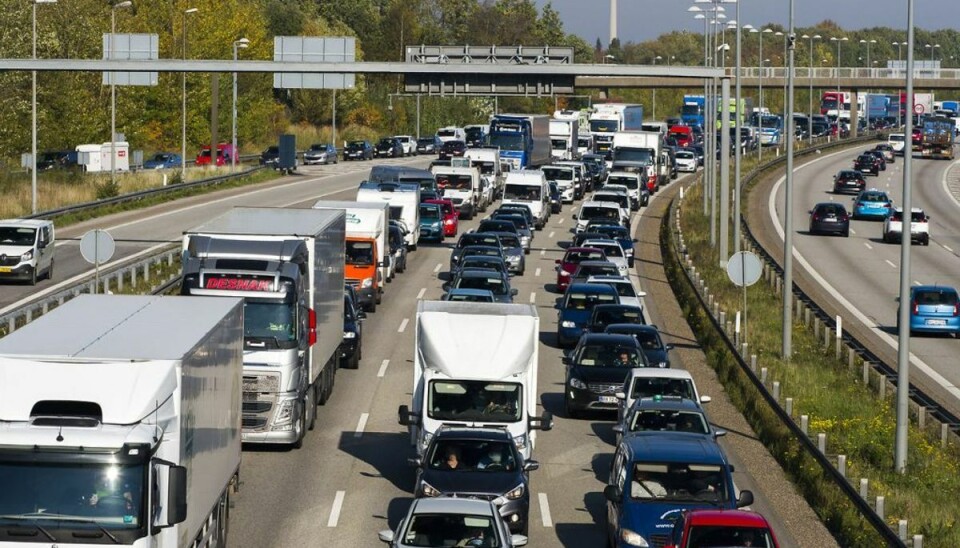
<point x="571" y="259"/>
<point x="576" y="306"/>
<point x="320" y="154"/>
<point x="872" y="204"/>
<point x="934" y="309"/>
<point x="919" y="226"/>
<point x="829" y="218"/>
<point x="867" y="163"/>
<point x="452" y="149"/>
<point x="452" y="521"/>
<point x="848" y="181"/>
<point x="497" y="283"/>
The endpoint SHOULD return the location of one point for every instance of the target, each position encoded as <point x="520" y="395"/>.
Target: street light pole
<point x="738" y="144"/>
<point x="241" y="43"/>
<point x="33" y="108"/>
<point x="788" y="205"/>
<point x="655" y="59"/>
<point x="113" y="90"/>
<point x="810" y="96"/>
<point x="183" y="99"/>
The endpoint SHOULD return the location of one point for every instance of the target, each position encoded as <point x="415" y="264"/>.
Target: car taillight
<point x="956" y="308"/>
<point x="816" y="217"/>
<point x="916" y="307"/>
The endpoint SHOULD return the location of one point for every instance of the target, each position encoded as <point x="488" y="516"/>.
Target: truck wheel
<point x="310" y="406"/>
<point x="372" y="307"/>
<point x="223" y="520"/>
<point x="301" y="428"/>
<point x="379" y="296"/>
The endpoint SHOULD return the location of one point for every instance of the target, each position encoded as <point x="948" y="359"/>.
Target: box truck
<point x="642" y="151"/>
<point x="365" y="253"/>
<point x="487" y="160"/>
<point x="120" y="423"/>
<point x="287" y="265"/>
<point x="523" y="139"/>
<point x="404" y="202"/>
<point x="475" y="364"/>
<point x="461" y="185"/>
<point x="563" y="139"/>
<point x="609" y="118"/>
<point x="95" y="158"/>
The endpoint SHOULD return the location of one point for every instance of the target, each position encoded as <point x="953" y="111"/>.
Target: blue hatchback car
<point x="576" y="306"/>
<point x="934" y="309"/>
<point x="431" y="222"/>
<point x="162" y="160"/>
<point x="872" y="204"/>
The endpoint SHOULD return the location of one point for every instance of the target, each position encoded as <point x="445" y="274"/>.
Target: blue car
<point x="656" y="476"/>
<point x="431" y="222"/>
<point x="576" y="306"/>
<point x="934" y="309"/>
<point x="163" y="160"/>
<point x="872" y="204"/>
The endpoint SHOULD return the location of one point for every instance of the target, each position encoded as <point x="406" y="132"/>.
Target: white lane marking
<point x="543" y="252"/>
<point x="560" y="222"/>
<point x="915" y="282"/>
<point x="854" y="232"/>
<point x="383" y="368"/>
<point x="948" y="249"/>
<point x="545" y="510"/>
<point x="551" y="234"/>
<point x="403" y="325"/>
<point x="361" y="424"/>
<point x="437" y="268"/>
<point x="533" y="297"/>
<point x="423" y="291"/>
<point x="889" y="262"/>
<point x="337" y="507"/>
<point x="868" y="245"/>
<point x="537" y="272"/>
<point x="946" y="186"/>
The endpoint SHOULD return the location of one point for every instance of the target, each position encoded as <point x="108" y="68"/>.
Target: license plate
<point x="828" y="220"/>
<point x="608" y="399"/>
<point x="936" y="322"/>
<point x="5" y="269"/>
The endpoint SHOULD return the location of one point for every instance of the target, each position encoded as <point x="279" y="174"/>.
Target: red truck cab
<point x="703" y="528"/>
<point x="451" y="217"/>
<point x="683" y="135"/>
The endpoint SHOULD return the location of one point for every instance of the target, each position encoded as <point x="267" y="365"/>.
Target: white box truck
<point x="95" y="158"/>
<point x="638" y="150"/>
<point x="487" y="160"/>
<point x="529" y="187"/>
<point x="120" y="423"/>
<point x="287" y="265"/>
<point x="563" y="138"/>
<point x="461" y="185"/>
<point x="366" y="242"/>
<point x="475" y="364"/>
<point x="404" y="201"/>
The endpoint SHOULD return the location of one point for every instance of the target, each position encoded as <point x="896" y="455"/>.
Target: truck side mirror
<point x="513" y="292"/>
<point x="745" y="499"/>
<point x="405" y="417"/>
<point x="177" y="495"/>
<point x="705" y="399"/>
<point x="312" y="326"/>
<point x="543" y="422"/>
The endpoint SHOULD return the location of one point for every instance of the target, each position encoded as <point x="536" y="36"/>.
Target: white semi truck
<point x="120" y="423"/>
<point x="475" y="364"/>
<point x="287" y="265"/>
<point x="563" y="139"/>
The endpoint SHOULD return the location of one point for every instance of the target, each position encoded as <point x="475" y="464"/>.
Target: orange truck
<point x="368" y="266"/>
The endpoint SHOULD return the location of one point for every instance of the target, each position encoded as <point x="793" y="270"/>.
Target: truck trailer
<point x="563" y="139"/>
<point x="524" y="139"/>
<point x="120" y="423"/>
<point x="287" y="265"/>
<point x="404" y="201"/>
<point x="610" y="118"/>
<point x="365" y="248"/>
<point x="936" y="138"/>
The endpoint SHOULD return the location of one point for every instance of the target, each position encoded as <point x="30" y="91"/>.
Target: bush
<point x="107" y="189"/>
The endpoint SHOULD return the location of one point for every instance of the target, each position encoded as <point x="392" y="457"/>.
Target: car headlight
<point x="367" y="283"/>
<point x="27" y="256"/>
<point x="577" y="383"/>
<point x="429" y="490"/>
<point x="515" y="493"/>
<point x="568" y="324"/>
<point x="349" y="335"/>
<point x="521" y="443"/>
<point x="633" y="539"/>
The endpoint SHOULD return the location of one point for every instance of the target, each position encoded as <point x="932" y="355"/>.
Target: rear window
<point x="936" y="297"/>
<point x="659" y="386"/>
<point x="586" y="301"/>
<point x="580" y="256"/>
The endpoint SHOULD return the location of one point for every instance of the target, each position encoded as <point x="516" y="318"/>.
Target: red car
<point x="702" y="528"/>
<point x="571" y="259"/>
<point x="451" y="217"/>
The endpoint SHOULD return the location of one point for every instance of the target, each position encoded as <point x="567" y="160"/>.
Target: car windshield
<point x="493" y="283"/>
<point x="702" y="536"/>
<point x="482" y="261"/>
<point x="605" y="355"/>
<point x="591" y="213"/>
<point x="454" y="182"/>
<point x="557" y="174"/>
<point x="470" y="298"/>
<point x="428" y="530"/>
<point x="580" y="256"/>
<point x="507" y="141"/>
<point x="475" y="400"/>
<point x="474" y="239"/>
<point x="623" y="289"/>
<point x="619" y="199"/>
<point x="425" y="141"/>
<point x="269" y="320"/>
<point x="318" y="147"/>
<point x="658" y="420"/>
<point x="896" y="137"/>
<point x="874" y="198"/>
<point x="472" y="456"/>
<point x="684" y="155"/>
<point x="935" y="297"/>
<point x="830" y="209"/>
<point x="652" y="387"/>
<point x="611" y="230"/>
<point x="480" y="252"/>
<point x="678" y="482"/>
<point x="522" y="192"/>
<point x="429" y="213"/>
<point x="600" y="269"/>
<point x="508" y="241"/>
<point x="359" y="253"/>
<point x="356" y="144"/>
<point x="608" y="250"/>
<point x="586" y="301"/>
<point x="518" y="221"/>
<point x="604" y="317"/>
<point x="15" y="235"/>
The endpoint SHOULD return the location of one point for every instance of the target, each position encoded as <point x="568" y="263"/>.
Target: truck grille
<point x="605" y="388"/>
<point x="352" y="281"/>
<point x="253" y="423"/>
<point x="257" y="407"/>
<point x="261" y="383"/>
<point x="9" y="260"/>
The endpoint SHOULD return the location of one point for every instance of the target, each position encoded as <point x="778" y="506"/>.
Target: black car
<point x="351" y="348"/>
<point x="389" y="147"/>
<point x="270" y="156"/>
<point x="657" y="353"/>
<point x="596" y="370"/>
<point x="398" y="249"/>
<point x="881" y="158"/>
<point x="556" y="205"/>
<point x="829" y="218"/>
<point x="867" y="163"/>
<point x="479" y="462"/>
<point x="848" y="180"/>
<point x="603" y="315"/>
<point x="451" y="149"/>
<point x="578" y="239"/>
<point x="472" y="238"/>
<point x="358" y="150"/>
<point x="493" y="225"/>
<point x="428" y="145"/>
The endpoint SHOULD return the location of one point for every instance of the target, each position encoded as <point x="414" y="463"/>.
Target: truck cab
<point x="461" y="185"/>
<point x="26" y="249"/>
<point x="529" y="187"/>
<point x="404" y="201"/>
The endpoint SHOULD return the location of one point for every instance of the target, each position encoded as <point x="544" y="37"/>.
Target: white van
<point x="26" y="249"/>
<point x="451" y="134"/>
<point x="599" y="211"/>
<point x="404" y="200"/>
<point x="528" y="187"/>
<point x="897" y="141"/>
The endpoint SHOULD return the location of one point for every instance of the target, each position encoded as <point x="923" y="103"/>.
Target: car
<point x="351" y="348"/>
<point x="624" y="287"/>
<point x="469" y="251"/>
<point x="270" y="156"/>
<point x="596" y="370"/>
<point x="616" y="232"/>
<point x="618" y="197"/>
<point x="431" y="222"/>
<point x="658" y="353"/>
<point x="452" y="149"/>
<point x="320" y="153"/>
<point x="564" y="177"/>
<point x="934" y="309"/>
<point x="848" y="180"/>
<point x="498" y="284"/>
<point x="897" y="141"/>
<point x="472" y="238"/>
<point x="524" y="229"/>
<point x="571" y="260"/>
<point x="452" y="521"/>
<point x="599" y="168"/>
<point x="919" y="226"/>
<point x="358" y="150"/>
<point x="871" y="204"/>
<point x="398" y="249"/>
<point x="513" y="252"/>
<point x="600" y="211"/>
<point x="880" y="158"/>
<point x="686" y="161"/>
<point x="517" y="209"/>
<point x="829" y="218"/>
<point x="408" y="143"/>
<point x="578" y="239"/>
<point x="388" y="147"/>
<point x="612" y="251"/>
<point x="603" y="315"/>
<point x="556" y="199"/>
<point x="581" y="182"/>
<point x="652" y="415"/>
<point x="708" y="527"/>
<point x="867" y="163"/>
<point x="451" y="217"/>
<point x="648" y="382"/>
<point x="470" y="295"/>
<point x="655" y="477"/>
<point x="594" y="268"/>
<point x="887" y="151"/>
<point x="428" y="145"/>
<point x="478" y="462"/>
<point x="160" y="160"/>
<point x="575" y="307"/>
<point x="488" y="262"/>
<point x="429" y="195"/>
<point x="632" y="183"/>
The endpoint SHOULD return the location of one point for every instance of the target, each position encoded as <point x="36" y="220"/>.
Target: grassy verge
<point x="856" y="422"/>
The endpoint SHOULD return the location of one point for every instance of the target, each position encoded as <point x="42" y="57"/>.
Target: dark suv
<point x="452" y="148"/>
<point x="389" y="147"/>
<point x="867" y="163"/>
<point x="477" y="463"/>
<point x="848" y="181"/>
<point x="358" y="150"/>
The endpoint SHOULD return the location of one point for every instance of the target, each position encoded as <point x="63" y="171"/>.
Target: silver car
<point x="513" y="252"/>
<point x="452" y="521"/>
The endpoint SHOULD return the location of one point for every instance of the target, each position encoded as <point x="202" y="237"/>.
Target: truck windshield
<point x="604" y="126"/>
<point x="522" y="192"/>
<point x="66" y="500"/>
<point x="558" y="144"/>
<point x="678" y="482"/>
<point x="14" y="235"/>
<point x="507" y="141"/>
<point x="269" y="320"/>
<point x="446" y="181"/>
<point x="770" y="121"/>
<point x="486" y="168"/>
<point x="475" y="400"/>
<point x="690" y="110"/>
<point x="639" y="155"/>
<point x="359" y="253"/>
<point x="583" y="142"/>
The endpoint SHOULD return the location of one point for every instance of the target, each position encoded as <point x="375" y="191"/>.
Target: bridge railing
<point x="859" y="73"/>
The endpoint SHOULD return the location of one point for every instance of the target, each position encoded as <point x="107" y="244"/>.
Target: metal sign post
<point x="744" y="269"/>
<point x="97" y="246"/>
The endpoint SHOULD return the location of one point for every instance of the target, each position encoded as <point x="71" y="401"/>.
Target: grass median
<point x="857" y="423"/>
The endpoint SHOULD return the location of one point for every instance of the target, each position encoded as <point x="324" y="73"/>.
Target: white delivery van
<point x="451" y="134"/>
<point x="528" y="187"/>
<point x="26" y="249"/>
<point x="461" y="185"/>
<point x="404" y="201"/>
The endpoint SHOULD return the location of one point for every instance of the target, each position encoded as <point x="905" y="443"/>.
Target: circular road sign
<point x="918" y="108"/>
<point x="97" y="246"/>
<point x="744" y="268"/>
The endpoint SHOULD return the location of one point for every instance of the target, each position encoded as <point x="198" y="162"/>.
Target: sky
<point x="640" y="20"/>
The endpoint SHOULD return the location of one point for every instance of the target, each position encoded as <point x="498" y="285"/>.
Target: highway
<point x="351" y="478"/>
<point x="859" y="275"/>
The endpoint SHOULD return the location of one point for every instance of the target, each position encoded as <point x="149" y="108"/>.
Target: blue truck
<point x="523" y="139"/>
<point x="692" y="110"/>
